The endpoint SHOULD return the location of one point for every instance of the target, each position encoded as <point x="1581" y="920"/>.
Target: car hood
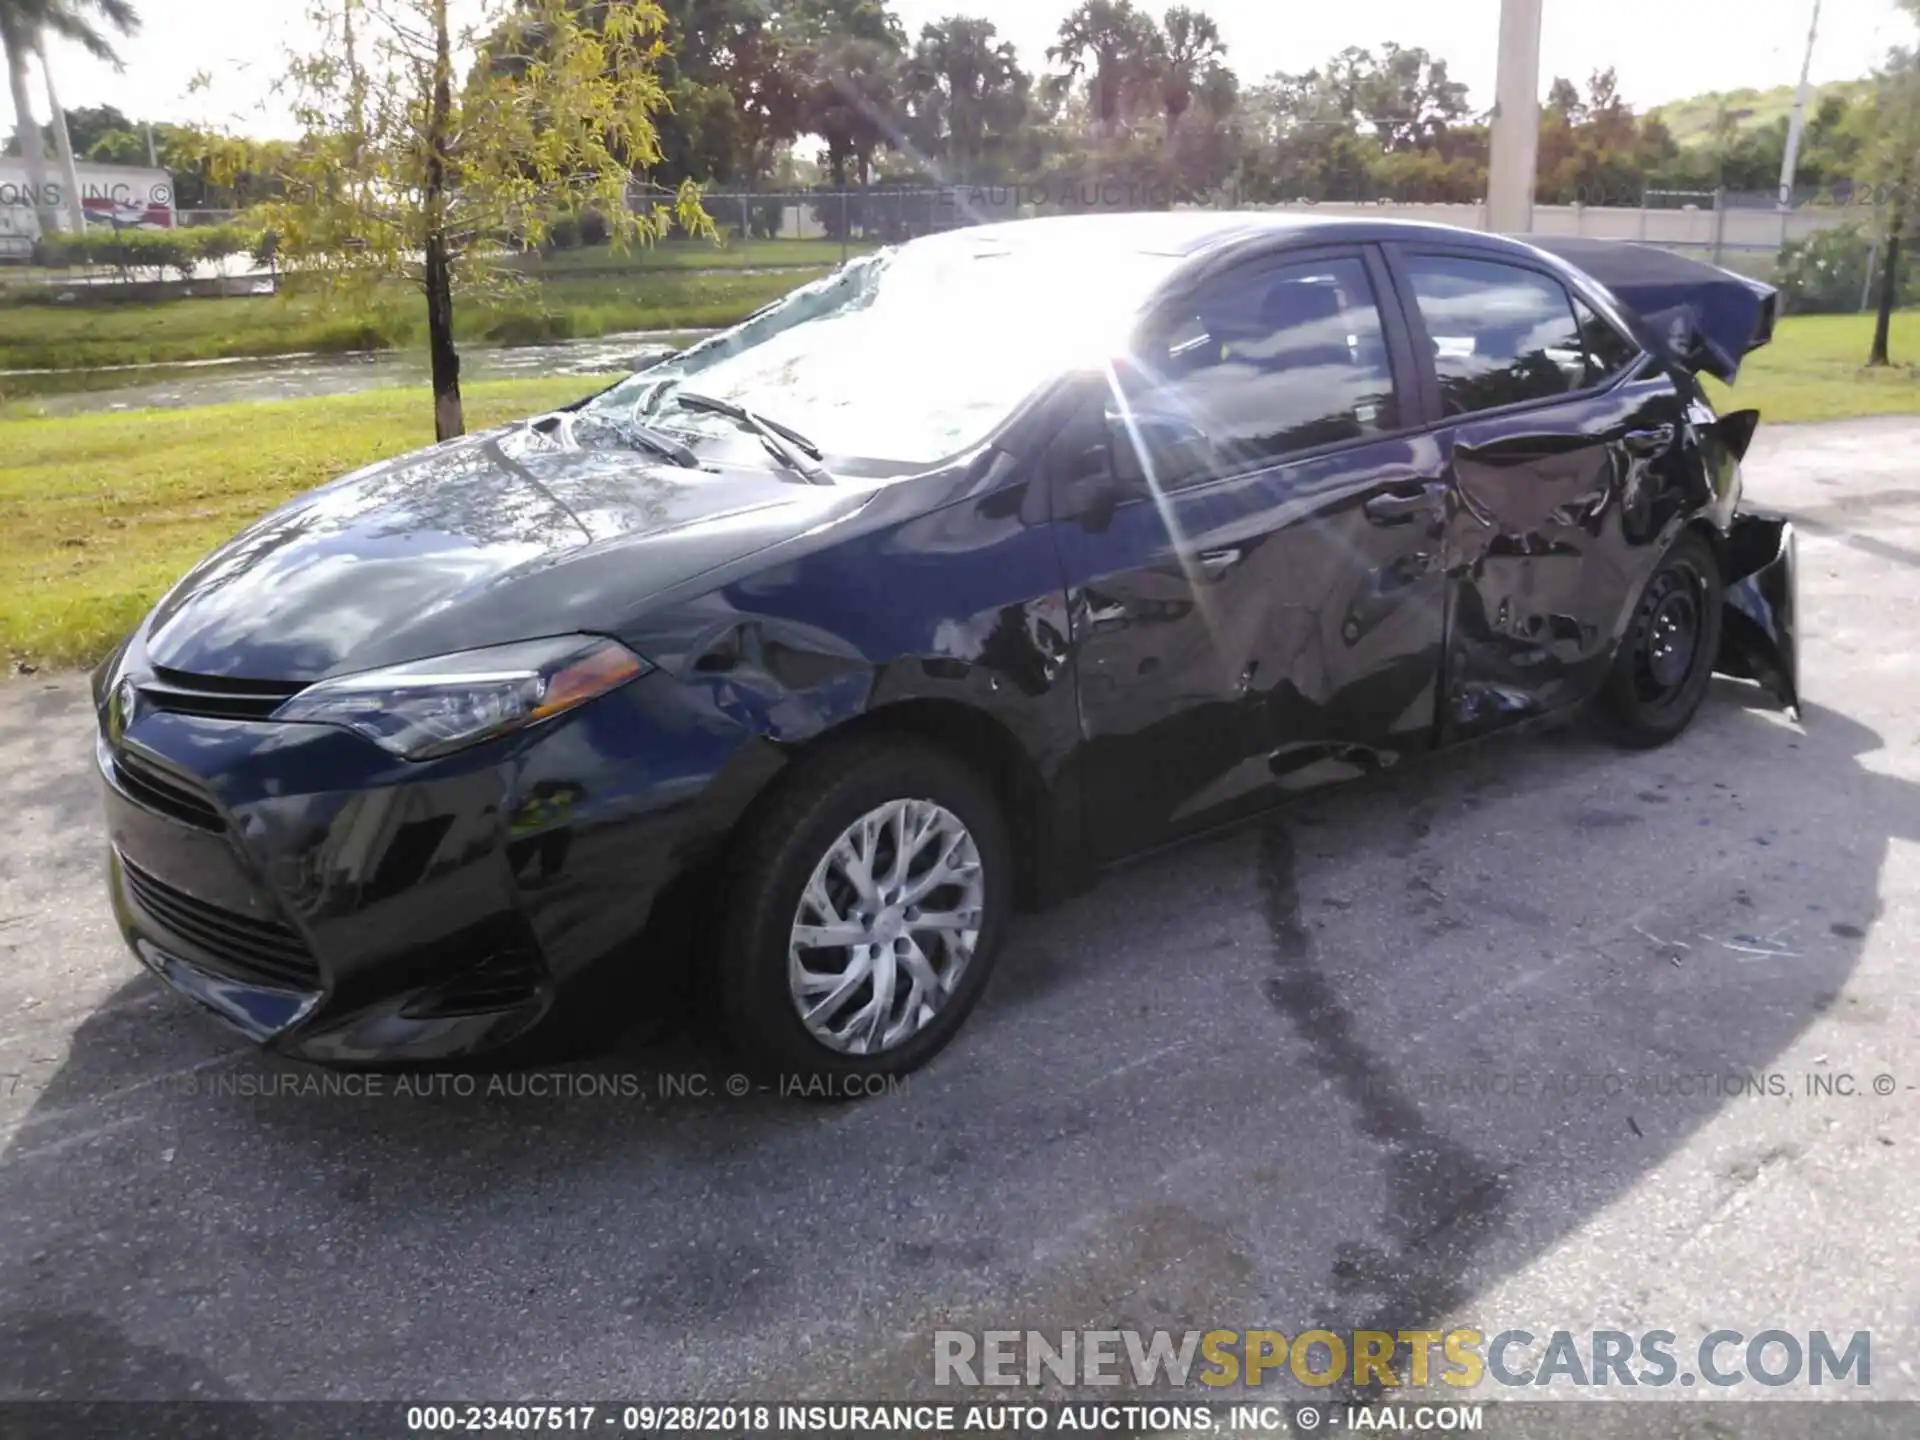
<point x="509" y="535"/>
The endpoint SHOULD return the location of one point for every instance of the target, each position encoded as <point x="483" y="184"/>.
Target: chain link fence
<point x="1721" y="223"/>
<point x="1745" y="231"/>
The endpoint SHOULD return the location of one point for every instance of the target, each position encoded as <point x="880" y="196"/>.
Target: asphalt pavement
<point x="1423" y="1052"/>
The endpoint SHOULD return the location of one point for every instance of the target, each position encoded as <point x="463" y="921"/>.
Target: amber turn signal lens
<point x="593" y="674"/>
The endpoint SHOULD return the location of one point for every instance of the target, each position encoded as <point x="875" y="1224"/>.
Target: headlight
<point x="106" y="672"/>
<point x="427" y="708"/>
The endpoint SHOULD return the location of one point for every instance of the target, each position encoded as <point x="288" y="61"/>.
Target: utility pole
<point x="1516" y="120"/>
<point x="1797" y="126"/>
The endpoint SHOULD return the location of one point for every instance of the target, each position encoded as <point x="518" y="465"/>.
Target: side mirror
<point x="1173" y="443"/>
<point x="1089" y="490"/>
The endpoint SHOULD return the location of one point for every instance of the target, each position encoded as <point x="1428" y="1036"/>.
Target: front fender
<point x="1759" y="639"/>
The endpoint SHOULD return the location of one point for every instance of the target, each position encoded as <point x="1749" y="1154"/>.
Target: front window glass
<point x="908" y="357"/>
<point x="1264" y="362"/>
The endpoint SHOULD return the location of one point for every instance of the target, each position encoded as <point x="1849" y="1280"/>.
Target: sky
<point x="1662" y="49"/>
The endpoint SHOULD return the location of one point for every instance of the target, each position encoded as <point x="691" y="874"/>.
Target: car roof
<point x="1197" y="232"/>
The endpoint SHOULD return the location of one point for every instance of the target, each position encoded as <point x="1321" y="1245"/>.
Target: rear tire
<point x="1665" y="663"/>
<point x="901" y="948"/>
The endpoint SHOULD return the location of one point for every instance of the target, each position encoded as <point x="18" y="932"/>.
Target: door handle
<point x="1656" y="441"/>
<point x="1214" y="563"/>
<point x="1405" y="509"/>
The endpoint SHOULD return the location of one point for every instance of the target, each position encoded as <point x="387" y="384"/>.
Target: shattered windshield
<point x="906" y="357"/>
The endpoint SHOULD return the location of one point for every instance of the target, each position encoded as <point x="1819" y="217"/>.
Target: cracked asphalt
<point x="1423" y="1052"/>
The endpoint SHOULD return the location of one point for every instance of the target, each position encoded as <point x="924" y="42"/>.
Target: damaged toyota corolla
<point x="987" y="561"/>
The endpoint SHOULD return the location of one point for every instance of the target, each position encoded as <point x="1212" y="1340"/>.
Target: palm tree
<point x="852" y="103"/>
<point x="966" y="91"/>
<point x="1190" y="47"/>
<point x="848" y="53"/>
<point x="17" y="36"/>
<point x="62" y="140"/>
<point x="1122" y="43"/>
<point x="24" y="28"/>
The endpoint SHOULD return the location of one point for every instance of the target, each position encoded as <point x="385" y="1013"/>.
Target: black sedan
<point x="992" y="559"/>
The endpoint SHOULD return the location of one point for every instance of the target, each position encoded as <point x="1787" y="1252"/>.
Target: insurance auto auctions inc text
<point x="1461" y="1359"/>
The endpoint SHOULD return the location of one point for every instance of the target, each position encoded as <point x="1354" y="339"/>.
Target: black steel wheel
<point x="1665" y="662"/>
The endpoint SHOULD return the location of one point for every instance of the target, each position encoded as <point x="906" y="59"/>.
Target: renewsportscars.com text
<point x="1463" y="1359"/>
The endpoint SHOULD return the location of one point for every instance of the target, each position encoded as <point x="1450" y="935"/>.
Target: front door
<point x="1263" y="609"/>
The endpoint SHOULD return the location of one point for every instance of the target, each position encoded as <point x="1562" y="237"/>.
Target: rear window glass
<point x="1502" y="334"/>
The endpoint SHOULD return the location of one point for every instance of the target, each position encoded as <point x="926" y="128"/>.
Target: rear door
<point x="1563" y="446"/>
<point x="1262" y="609"/>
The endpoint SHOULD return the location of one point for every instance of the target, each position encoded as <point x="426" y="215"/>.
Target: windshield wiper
<point x="662" y="443"/>
<point x="788" y="446"/>
<point x="659" y="442"/>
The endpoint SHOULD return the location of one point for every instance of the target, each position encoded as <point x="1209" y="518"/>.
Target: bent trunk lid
<point x="1707" y="318"/>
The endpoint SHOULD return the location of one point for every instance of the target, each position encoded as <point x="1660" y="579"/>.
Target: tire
<point x="1665" y="664"/>
<point x="790" y="845"/>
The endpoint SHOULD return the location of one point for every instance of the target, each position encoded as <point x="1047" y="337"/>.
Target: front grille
<point x="259" y="952"/>
<point x="166" y="792"/>
<point x="217" y="697"/>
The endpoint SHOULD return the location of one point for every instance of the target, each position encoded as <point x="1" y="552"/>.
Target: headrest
<point x="1293" y="304"/>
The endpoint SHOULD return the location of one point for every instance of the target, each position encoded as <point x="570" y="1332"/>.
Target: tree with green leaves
<point x="1301" y="141"/>
<point x="90" y="124"/>
<point x="1408" y="98"/>
<point x="1189" y="56"/>
<point x="1116" y="47"/>
<point x="1361" y="125"/>
<point x="851" y="53"/>
<point x="404" y="171"/>
<point x="1593" y="148"/>
<point x="1565" y="103"/>
<point x="966" y="96"/>
<point x="732" y="75"/>
<point x="737" y="89"/>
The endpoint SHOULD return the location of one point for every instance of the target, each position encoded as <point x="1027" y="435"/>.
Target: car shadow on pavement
<point x="1268" y="1079"/>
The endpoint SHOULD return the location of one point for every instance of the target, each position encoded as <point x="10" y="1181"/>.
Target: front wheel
<point x="1665" y="664"/>
<point x="865" y="910"/>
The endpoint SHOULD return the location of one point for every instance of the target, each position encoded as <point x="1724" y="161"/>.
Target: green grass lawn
<point x="588" y="306"/>
<point x="1814" y="370"/>
<point x="100" y="514"/>
<point x="565" y="306"/>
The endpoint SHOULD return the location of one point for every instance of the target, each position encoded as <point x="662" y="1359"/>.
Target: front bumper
<point x="340" y="906"/>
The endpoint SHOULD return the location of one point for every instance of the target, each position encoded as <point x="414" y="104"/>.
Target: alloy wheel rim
<point x="886" y="927"/>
